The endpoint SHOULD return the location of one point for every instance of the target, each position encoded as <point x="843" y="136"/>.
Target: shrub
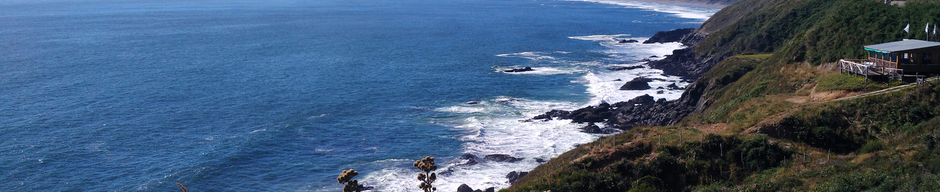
<point x="346" y="178"/>
<point x="872" y="147"/>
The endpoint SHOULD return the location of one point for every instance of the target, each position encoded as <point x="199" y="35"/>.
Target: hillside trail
<point x="805" y="101"/>
<point x="879" y="92"/>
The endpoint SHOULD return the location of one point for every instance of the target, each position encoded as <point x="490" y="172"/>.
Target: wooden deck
<point x="868" y="69"/>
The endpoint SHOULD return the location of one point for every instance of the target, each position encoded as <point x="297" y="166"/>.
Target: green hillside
<point x="768" y="118"/>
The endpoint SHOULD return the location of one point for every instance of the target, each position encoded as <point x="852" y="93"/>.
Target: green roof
<point x="905" y="45"/>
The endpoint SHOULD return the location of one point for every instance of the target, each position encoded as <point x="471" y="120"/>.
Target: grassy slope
<point x="758" y="110"/>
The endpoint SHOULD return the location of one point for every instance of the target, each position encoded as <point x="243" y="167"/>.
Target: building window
<point x="927" y="59"/>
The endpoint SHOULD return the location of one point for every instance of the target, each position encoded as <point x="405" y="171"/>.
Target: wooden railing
<point x="867" y="68"/>
<point x="853" y="67"/>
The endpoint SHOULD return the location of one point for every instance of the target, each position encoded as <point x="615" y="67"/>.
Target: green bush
<point x="872" y="147"/>
<point x="717" y="159"/>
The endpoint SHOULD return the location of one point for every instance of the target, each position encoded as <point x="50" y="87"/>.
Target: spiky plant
<point x="426" y="165"/>
<point x="346" y="178"/>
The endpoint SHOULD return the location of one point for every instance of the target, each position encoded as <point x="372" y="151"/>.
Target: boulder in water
<point x="628" y="41"/>
<point x="464" y="188"/>
<point x="625" y="68"/>
<point x="592" y="128"/>
<point x="673" y="86"/>
<point x="501" y="158"/>
<point x="639" y="83"/>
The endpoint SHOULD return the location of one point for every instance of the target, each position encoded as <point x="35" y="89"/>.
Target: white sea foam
<point x="497" y="130"/>
<point x="542" y="70"/>
<point x="605" y="86"/>
<point x="495" y="125"/>
<point x="601" y="37"/>
<point x="529" y="55"/>
<point x="677" y="10"/>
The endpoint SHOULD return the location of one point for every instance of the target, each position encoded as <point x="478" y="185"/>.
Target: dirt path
<point x="817" y="98"/>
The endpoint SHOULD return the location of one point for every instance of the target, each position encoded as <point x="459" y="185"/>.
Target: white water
<point x="497" y="128"/>
<point x="677" y="10"/>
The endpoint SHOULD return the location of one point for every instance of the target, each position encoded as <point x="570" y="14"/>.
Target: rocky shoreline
<point x="622" y="116"/>
<point x="644" y="110"/>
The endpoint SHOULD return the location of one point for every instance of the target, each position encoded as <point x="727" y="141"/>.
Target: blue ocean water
<point x="282" y="95"/>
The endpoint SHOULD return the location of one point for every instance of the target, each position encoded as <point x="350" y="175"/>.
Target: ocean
<point x="122" y="95"/>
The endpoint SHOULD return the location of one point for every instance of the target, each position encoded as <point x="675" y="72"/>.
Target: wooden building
<point x="911" y="56"/>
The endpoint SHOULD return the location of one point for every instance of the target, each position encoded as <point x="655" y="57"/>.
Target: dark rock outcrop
<point x="684" y="63"/>
<point x="501" y="158"/>
<point x="625" y="68"/>
<point x="470" y="159"/>
<point x="513" y="176"/>
<point x="591" y="128"/>
<point x="590" y="114"/>
<point x="519" y="70"/>
<point x="365" y="188"/>
<point x="674" y="35"/>
<point x="642" y="110"/>
<point x="554" y="114"/>
<point x="639" y="83"/>
<point x="464" y="188"/>
<point x="628" y="41"/>
<point x="540" y="160"/>
<point x="673" y="86"/>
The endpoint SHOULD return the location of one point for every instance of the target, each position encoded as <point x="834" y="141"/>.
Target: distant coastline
<point x="695" y="3"/>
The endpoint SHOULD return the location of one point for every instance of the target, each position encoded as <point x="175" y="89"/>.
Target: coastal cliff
<point x="766" y="110"/>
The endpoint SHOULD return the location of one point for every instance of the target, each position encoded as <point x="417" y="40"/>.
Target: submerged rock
<point x="471" y="159"/>
<point x="673" y="86"/>
<point x="519" y="70"/>
<point x="625" y="68"/>
<point x="501" y="158"/>
<point x="628" y="41"/>
<point x="514" y="176"/>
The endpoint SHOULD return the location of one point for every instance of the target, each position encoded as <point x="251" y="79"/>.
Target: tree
<point x="426" y="165"/>
<point x="345" y="177"/>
